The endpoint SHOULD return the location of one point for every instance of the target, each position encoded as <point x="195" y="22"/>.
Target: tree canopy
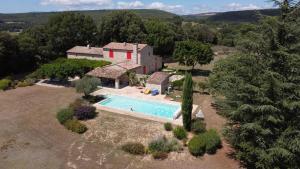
<point x="161" y="36"/>
<point x="259" y="93"/>
<point x="191" y="53"/>
<point x="122" y="26"/>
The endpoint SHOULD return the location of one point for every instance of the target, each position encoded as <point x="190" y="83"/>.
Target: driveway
<point x="31" y="137"/>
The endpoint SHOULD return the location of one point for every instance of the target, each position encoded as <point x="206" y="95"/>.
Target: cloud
<point x="130" y="5"/>
<point x="162" y="6"/>
<point x="237" y="6"/>
<point x="75" y="2"/>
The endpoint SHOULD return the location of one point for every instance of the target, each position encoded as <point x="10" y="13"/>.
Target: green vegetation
<point x="179" y="133"/>
<point x="64" y="115"/>
<point x="187" y="102"/>
<point x="5" y="84"/>
<point x="191" y="53"/>
<point x="75" y="126"/>
<point x="87" y="85"/>
<point x="85" y="112"/>
<point x="121" y="26"/>
<point x="197" y="145"/>
<point x="168" y="126"/>
<point x="212" y="141"/>
<point x="160" y="155"/>
<point x="258" y="91"/>
<point x="198" y="126"/>
<point x="134" y="148"/>
<point x="61" y="69"/>
<point x="178" y="84"/>
<point x="162" y="144"/>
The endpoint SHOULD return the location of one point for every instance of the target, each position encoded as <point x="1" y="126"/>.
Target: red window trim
<point x="144" y="69"/>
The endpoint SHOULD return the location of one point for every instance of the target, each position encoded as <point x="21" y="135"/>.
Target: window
<point x="129" y="53"/>
<point x="111" y="53"/>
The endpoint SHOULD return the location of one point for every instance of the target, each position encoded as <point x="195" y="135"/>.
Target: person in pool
<point x="131" y="109"/>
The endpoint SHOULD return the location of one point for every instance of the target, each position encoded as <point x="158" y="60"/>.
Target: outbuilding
<point x="159" y="81"/>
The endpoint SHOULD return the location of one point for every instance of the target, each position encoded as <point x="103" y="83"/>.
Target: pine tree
<point x="261" y="93"/>
<point x="187" y="101"/>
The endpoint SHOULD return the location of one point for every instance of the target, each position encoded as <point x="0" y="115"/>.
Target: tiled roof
<point x="123" y="46"/>
<point x="86" y="50"/>
<point x="158" y="78"/>
<point x="113" y="71"/>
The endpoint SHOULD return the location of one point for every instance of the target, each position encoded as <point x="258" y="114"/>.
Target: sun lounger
<point x="147" y="91"/>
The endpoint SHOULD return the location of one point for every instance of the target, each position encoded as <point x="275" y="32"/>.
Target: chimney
<point x="125" y="43"/>
<point x="89" y="46"/>
<point x="135" y="52"/>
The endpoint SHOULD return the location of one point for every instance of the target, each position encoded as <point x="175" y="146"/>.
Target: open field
<point x="30" y="136"/>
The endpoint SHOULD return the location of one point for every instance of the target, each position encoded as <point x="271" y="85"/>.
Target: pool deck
<point x="134" y="92"/>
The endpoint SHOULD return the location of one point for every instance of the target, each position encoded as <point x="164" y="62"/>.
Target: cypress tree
<point x="187" y="101"/>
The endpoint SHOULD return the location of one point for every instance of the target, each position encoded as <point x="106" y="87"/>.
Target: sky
<point x="175" y="6"/>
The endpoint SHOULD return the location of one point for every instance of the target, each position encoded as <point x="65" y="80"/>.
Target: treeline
<point x="43" y="43"/>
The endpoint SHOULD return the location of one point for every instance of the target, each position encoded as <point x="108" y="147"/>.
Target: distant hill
<point x="37" y="18"/>
<point x="234" y="16"/>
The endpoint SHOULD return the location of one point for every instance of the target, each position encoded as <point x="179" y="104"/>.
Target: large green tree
<point x="187" y="101"/>
<point x="191" y="53"/>
<point x="121" y="26"/>
<point x="161" y="36"/>
<point x="259" y="89"/>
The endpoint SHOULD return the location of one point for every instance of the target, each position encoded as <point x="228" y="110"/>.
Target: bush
<point x="64" y="115"/>
<point x="5" y="84"/>
<point x="159" y="155"/>
<point x="134" y="148"/>
<point x="77" y="103"/>
<point x="87" y="85"/>
<point x="180" y="133"/>
<point x="162" y="144"/>
<point x="178" y="84"/>
<point x="197" y="146"/>
<point x="168" y="126"/>
<point x="85" y="112"/>
<point x="198" y="126"/>
<point x="93" y="99"/>
<point x="26" y="82"/>
<point x="75" y="126"/>
<point x="213" y="141"/>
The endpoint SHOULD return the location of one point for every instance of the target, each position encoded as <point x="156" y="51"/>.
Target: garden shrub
<point x="198" y="126"/>
<point x="159" y="145"/>
<point x="162" y="144"/>
<point x="168" y="126"/>
<point x="5" y="84"/>
<point x="75" y="126"/>
<point x="64" y="115"/>
<point x="197" y="146"/>
<point x="26" y="82"/>
<point x="178" y="84"/>
<point x="180" y="133"/>
<point x="159" y="155"/>
<point x="213" y="141"/>
<point x="87" y="85"/>
<point x="93" y="99"/>
<point x="134" y="148"/>
<point x="85" y="112"/>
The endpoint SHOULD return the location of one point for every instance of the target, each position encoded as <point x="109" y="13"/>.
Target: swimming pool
<point x="152" y="108"/>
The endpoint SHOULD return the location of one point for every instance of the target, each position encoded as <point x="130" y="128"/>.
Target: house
<point x="125" y="57"/>
<point x="159" y="81"/>
<point x="141" y="54"/>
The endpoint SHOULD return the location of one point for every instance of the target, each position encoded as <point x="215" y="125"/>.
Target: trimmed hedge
<point x="5" y="84"/>
<point x="134" y="148"/>
<point x="64" y="115"/>
<point x="85" y="112"/>
<point x="77" y="103"/>
<point x="168" y="126"/>
<point x="198" y="126"/>
<point x="75" y="126"/>
<point x="63" y="68"/>
<point x="197" y="146"/>
<point x="180" y="133"/>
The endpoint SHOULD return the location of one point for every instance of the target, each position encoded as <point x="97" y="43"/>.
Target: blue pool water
<point x="152" y="108"/>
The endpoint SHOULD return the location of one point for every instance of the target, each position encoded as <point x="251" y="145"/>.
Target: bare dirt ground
<point x="31" y="137"/>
